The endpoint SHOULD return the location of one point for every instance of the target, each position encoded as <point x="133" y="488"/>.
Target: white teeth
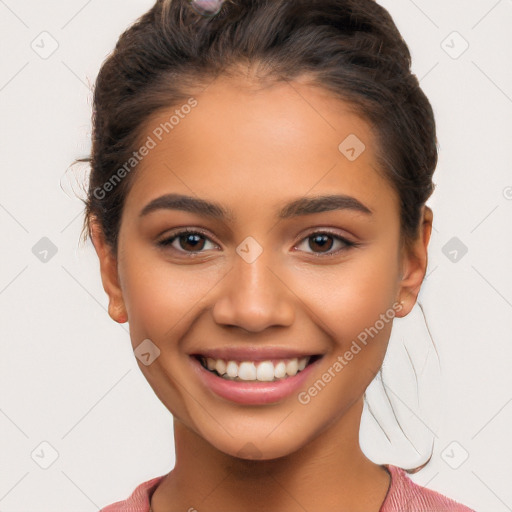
<point x="232" y="369"/>
<point x="264" y="371"/>
<point x="220" y="366"/>
<point x="280" y="370"/>
<point x="292" y="366"/>
<point x="247" y="371"/>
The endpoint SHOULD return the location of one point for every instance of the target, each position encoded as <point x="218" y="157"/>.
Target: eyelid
<point x="327" y="231"/>
<point x="180" y="231"/>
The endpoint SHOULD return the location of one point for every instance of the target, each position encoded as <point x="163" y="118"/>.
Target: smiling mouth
<point x="271" y="370"/>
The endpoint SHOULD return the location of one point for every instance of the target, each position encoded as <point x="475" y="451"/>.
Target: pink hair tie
<point x="207" y="7"/>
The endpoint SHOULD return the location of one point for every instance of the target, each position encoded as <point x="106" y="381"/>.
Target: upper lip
<point x="252" y="353"/>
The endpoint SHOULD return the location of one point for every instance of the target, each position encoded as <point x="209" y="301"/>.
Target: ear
<point x="414" y="264"/>
<point x="109" y="274"/>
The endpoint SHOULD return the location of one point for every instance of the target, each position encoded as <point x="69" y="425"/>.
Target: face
<point x="297" y="261"/>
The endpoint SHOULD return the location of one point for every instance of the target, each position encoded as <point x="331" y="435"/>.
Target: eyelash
<point x="175" y="236"/>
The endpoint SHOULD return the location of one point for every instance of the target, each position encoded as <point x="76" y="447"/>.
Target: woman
<point x="257" y="203"/>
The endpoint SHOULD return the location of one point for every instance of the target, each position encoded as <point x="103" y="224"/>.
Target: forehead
<point x="262" y="145"/>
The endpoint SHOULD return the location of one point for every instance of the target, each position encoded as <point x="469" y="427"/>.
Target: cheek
<point x="353" y="305"/>
<point x="350" y="297"/>
<point x="343" y="299"/>
<point x="161" y="297"/>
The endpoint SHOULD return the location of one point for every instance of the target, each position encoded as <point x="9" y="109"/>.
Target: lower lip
<point x="252" y="393"/>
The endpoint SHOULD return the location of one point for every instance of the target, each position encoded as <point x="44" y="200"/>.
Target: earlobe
<point x="117" y="312"/>
<point x="415" y="261"/>
<point x="109" y="274"/>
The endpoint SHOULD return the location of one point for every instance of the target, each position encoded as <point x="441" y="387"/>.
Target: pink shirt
<point x="403" y="496"/>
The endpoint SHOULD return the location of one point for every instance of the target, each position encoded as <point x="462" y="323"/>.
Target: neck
<point x="329" y="473"/>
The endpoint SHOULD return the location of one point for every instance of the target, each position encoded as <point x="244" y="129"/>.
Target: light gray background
<point x="68" y="376"/>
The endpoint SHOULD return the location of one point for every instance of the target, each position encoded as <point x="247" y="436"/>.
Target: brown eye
<point x="191" y="242"/>
<point x="187" y="241"/>
<point x="321" y="243"/>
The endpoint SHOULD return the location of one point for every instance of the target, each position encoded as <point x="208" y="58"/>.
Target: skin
<point x="253" y="150"/>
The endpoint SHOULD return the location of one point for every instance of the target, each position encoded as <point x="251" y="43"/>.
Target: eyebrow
<point x="301" y="206"/>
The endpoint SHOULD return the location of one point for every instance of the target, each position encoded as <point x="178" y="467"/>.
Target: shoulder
<point x="404" y="494"/>
<point x="138" y="501"/>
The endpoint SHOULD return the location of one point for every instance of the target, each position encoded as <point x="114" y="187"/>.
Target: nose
<point x="253" y="296"/>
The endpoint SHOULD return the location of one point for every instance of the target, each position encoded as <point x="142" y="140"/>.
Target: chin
<point x="252" y="449"/>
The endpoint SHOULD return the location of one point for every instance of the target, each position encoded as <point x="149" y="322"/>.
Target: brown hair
<point x="351" y="48"/>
